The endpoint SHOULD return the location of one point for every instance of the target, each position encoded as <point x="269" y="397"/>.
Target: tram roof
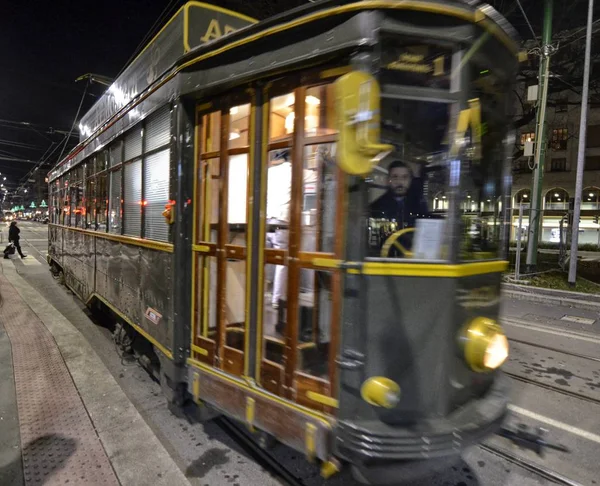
<point x="198" y="31"/>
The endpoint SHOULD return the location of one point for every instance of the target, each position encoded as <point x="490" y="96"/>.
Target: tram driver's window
<point x="482" y="174"/>
<point x="405" y="221"/>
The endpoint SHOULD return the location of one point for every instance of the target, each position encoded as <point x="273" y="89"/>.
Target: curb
<point x="575" y="300"/>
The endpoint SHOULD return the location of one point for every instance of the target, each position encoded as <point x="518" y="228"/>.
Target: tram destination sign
<point x="415" y="64"/>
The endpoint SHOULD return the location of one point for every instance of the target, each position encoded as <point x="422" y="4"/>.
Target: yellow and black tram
<point x="306" y="217"/>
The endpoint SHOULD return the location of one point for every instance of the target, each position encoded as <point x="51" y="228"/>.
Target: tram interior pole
<point x="535" y="213"/>
<point x="581" y="147"/>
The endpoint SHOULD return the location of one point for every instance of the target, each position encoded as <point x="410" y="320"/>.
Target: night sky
<point x="45" y="46"/>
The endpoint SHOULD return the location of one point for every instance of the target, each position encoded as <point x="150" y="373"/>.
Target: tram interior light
<point x="310" y="100"/>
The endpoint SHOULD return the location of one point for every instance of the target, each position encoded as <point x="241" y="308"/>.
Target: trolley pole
<point x="535" y="211"/>
<point x="581" y="147"/>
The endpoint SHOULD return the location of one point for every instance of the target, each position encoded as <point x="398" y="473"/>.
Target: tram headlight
<point x="381" y="392"/>
<point x="485" y="345"/>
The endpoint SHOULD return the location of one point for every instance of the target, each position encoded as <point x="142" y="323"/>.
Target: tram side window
<point x="56" y="202"/>
<point x="65" y="205"/>
<point x="114" y="205"/>
<point x="210" y="170"/>
<point x="281" y="120"/>
<point x="132" y="182"/>
<point x="407" y="195"/>
<point x="101" y="201"/>
<point x="132" y="198"/>
<point x="115" y="153"/>
<point x="320" y="111"/>
<point x="156" y="195"/>
<point x="76" y="191"/>
<point x="90" y="201"/>
<point x="239" y="125"/>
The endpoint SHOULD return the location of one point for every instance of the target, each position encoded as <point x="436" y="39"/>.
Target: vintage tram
<point x="306" y="217"/>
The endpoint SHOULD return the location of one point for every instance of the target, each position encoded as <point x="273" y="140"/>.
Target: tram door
<point x="220" y="232"/>
<point x="299" y="313"/>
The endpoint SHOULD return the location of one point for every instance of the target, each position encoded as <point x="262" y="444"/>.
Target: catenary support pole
<point x="535" y="212"/>
<point x="581" y="147"/>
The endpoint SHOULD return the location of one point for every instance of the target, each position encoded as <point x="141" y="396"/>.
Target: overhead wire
<point x="87" y="84"/>
<point x="528" y="23"/>
<point x="148" y="35"/>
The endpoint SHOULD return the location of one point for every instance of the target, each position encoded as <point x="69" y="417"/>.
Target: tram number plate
<point x="153" y="315"/>
<point x="578" y="320"/>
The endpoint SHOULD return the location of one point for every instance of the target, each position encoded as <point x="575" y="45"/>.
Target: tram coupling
<point x="533" y="441"/>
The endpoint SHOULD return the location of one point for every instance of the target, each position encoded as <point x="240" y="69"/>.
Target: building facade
<point x="560" y="170"/>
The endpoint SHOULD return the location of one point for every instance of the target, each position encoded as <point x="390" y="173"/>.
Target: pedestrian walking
<point x="14" y="237"/>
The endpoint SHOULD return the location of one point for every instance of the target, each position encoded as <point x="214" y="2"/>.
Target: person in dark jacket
<point x="13" y="236"/>
<point x="403" y="201"/>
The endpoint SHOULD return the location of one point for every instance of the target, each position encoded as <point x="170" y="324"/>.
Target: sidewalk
<point x="63" y="417"/>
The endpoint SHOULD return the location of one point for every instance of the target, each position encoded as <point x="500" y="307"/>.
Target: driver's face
<point x="400" y="180"/>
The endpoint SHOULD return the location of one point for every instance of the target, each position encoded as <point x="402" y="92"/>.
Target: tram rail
<point x="257" y="452"/>
<point x="557" y="350"/>
<point x="553" y="388"/>
<point x="529" y="465"/>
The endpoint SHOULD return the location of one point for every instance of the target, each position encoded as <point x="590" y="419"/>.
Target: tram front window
<point x="404" y="219"/>
<point x="482" y="170"/>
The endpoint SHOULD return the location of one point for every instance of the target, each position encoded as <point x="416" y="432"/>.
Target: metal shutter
<point x="158" y="129"/>
<point x="156" y="195"/>
<point x="133" y="143"/>
<point x="114" y="209"/>
<point x="132" y="197"/>
<point x="116" y="153"/>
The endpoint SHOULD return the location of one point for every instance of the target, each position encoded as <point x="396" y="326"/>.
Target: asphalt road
<point x="555" y="385"/>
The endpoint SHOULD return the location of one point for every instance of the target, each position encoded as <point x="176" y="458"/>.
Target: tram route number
<point x="153" y="315"/>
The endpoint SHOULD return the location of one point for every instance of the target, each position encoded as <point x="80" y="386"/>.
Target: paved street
<point x="554" y="370"/>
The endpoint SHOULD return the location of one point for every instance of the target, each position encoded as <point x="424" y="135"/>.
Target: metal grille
<point x="58" y="440"/>
<point x="133" y="143"/>
<point x="132" y="199"/>
<point x="156" y="195"/>
<point x="114" y="210"/>
<point x="116" y="153"/>
<point x="158" y="129"/>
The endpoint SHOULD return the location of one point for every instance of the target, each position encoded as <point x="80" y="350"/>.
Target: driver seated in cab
<point x="403" y="202"/>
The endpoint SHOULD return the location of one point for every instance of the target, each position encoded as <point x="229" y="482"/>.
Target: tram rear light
<point x="380" y="392"/>
<point x="485" y="345"/>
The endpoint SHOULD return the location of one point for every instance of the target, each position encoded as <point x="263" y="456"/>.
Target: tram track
<point x="529" y="465"/>
<point x="556" y="350"/>
<point x="552" y="388"/>
<point x="257" y="452"/>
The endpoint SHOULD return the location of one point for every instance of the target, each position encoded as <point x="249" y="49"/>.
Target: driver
<point x="403" y="202"/>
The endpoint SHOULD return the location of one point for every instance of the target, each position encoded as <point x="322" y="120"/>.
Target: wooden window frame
<point x="215" y="351"/>
<point x="295" y="381"/>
